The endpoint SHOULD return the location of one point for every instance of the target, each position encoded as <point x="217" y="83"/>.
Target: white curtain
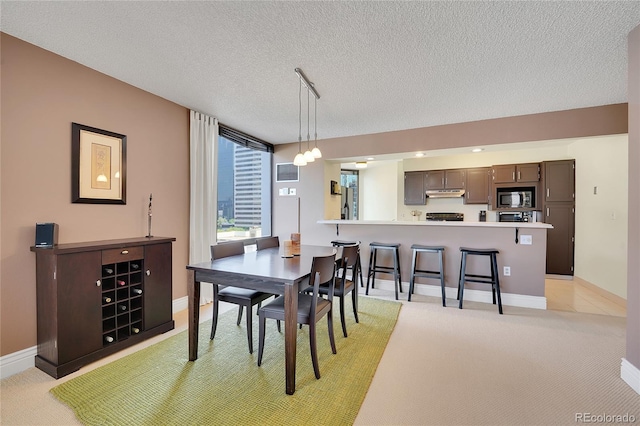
<point x="203" y="206"/>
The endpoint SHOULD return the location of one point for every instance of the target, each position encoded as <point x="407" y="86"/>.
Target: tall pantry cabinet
<point x="96" y="298"/>
<point x="558" y="209"/>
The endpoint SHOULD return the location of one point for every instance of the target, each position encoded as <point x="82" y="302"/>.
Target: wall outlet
<point x="506" y="271"/>
<point x="526" y="239"/>
<point x="292" y="191"/>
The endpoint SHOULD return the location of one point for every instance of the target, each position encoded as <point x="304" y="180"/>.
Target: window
<point x="349" y="204"/>
<point x="244" y="186"/>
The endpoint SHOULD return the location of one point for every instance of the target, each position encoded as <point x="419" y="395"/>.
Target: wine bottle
<point x="108" y="339"/>
<point x="121" y="283"/>
<point x="122" y="307"/>
<point x="136" y="290"/>
<point x="106" y="299"/>
<point x="135" y="330"/>
<point x="108" y="271"/>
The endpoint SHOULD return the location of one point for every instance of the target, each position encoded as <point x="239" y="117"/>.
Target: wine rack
<point x="97" y="298"/>
<point x="122" y="300"/>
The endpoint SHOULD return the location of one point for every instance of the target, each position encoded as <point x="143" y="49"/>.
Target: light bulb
<point x="101" y="178"/>
<point x="316" y="152"/>
<point x="299" y="160"/>
<point x="308" y="157"/>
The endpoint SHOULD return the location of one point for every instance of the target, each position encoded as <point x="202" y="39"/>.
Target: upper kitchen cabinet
<point x="477" y="186"/>
<point x="445" y="179"/>
<point x="559" y="181"/>
<point x="414" y="188"/>
<point x="516" y="173"/>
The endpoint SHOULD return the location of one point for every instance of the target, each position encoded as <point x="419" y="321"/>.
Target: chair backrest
<point x="230" y="248"/>
<point x="267" y="242"/>
<point x="350" y="254"/>
<point x="323" y="271"/>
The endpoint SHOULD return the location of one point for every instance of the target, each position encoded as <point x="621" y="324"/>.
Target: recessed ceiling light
<point x="420" y="154"/>
<point x="477" y="150"/>
<point x="361" y="164"/>
<point x="370" y="158"/>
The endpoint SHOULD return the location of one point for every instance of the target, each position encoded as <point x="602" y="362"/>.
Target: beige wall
<point x="42" y="94"/>
<point x="601" y="218"/>
<point x="378" y="189"/>
<point x="633" y="279"/>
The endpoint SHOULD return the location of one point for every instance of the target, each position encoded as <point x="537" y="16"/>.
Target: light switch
<point x="283" y="191"/>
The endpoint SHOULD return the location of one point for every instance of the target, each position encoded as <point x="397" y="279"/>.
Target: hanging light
<point x="310" y="155"/>
<point x="299" y="159"/>
<point x="315" y="151"/>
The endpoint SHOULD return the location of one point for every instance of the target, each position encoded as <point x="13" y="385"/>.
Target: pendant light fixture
<point x="315" y="151"/>
<point x="309" y="155"/>
<point x="299" y="159"/>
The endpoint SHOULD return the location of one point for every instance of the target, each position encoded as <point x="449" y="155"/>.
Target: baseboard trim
<point x="19" y="361"/>
<point x="620" y="301"/>
<point x="630" y="374"/>
<point x="508" y="299"/>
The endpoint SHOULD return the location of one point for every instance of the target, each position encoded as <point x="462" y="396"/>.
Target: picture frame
<point x="98" y="166"/>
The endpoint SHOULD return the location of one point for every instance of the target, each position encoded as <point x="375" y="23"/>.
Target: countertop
<point x="534" y="225"/>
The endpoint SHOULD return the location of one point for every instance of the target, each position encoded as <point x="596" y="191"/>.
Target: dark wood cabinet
<point x="94" y="299"/>
<point x="560" y="239"/>
<point x="445" y="179"/>
<point x="559" y="181"/>
<point x="558" y="208"/>
<point x="477" y="186"/>
<point x="414" y="188"/>
<point x="516" y="173"/>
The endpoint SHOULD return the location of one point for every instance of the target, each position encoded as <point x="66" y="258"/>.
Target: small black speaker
<point x="46" y="234"/>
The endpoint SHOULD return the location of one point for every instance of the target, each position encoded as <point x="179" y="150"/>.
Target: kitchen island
<point x="527" y="262"/>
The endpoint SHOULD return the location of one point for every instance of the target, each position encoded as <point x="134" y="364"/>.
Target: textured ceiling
<point x="378" y="66"/>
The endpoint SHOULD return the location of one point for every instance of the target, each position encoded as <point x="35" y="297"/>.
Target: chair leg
<point x="214" y="321"/>
<point x="412" y="277"/>
<point x="314" y="349"/>
<point x="494" y="266"/>
<point x="331" y="336"/>
<point x="354" y="299"/>
<point x="261" y="326"/>
<point x="359" y="266"/>
<point x="463" y="268"/>
<point x="459" y="278"/>
<point x="369" y="271"/>
<point x="397" y="260"/>
<point x="396" y="282"/>
<point x="250" y="329"/>
<point x="342" y="319"/>
<point x="240" y="308"/>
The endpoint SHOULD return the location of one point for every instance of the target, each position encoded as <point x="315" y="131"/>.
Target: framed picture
<point x="99" y="166"/>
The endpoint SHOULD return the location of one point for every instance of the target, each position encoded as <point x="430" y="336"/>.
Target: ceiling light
<point x="370" y="159"/>
<point x="420" y="154"/>
<point x="361" y="164"/>
<point x="299" y="159"/>
<point x="477" y="150"/>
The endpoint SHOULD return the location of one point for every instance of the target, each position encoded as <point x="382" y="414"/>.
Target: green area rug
<point x="159" y="386"/>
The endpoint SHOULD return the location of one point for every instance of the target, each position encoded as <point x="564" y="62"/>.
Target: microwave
<point x="512" y="199"/>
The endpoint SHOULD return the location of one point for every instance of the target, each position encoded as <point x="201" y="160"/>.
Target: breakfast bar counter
<point x="522" y="249"/>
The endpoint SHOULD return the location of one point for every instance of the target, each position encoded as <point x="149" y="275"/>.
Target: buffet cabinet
<point x="96" y="298"/>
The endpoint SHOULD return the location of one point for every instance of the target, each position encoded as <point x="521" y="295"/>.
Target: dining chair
<point x="311" y="308"/>
<point x="243" y="297"/>
<point x="267" y="242"/>
<point x="344" y="285"/>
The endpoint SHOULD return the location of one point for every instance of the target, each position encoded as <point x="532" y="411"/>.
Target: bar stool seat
<point x="357" y="269"/>
<point x="426" y="273"/>
<point x="374" y="268"/>
<point x="492" y="279"/>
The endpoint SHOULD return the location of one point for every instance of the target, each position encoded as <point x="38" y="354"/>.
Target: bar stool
<point x="358" y="266"/>
<point x="415" y="272"/>
<point x="375" y="268"/>
<point x="474" y="278"/>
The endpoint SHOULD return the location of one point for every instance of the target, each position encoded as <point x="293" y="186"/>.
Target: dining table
<point x="265" y="270"/>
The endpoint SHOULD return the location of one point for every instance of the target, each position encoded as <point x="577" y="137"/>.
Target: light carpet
<point x="159" y="386"/>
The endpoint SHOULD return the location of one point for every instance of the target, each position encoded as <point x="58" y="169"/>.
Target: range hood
<point x="445" y="193"/>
